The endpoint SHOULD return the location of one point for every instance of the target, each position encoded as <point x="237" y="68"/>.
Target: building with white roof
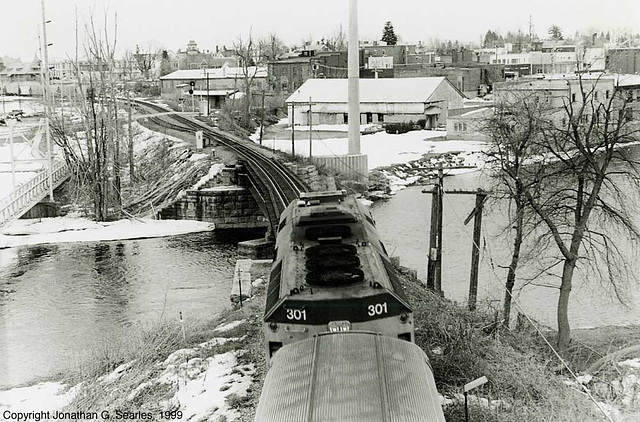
<point x="216" y="84"/>
<point x="384" y="100"/>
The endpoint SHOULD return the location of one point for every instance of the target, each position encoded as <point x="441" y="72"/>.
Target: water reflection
<point x="58" y="301"/>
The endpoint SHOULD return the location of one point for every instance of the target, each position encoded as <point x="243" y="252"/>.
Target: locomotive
<point x="331" y="273"/>
<point x="350" y="376"/>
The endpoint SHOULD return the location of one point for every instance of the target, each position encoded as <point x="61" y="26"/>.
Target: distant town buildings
<point x="382" y="100"/>
<point x="216" y="85"/>
<point x="21" y="79"/>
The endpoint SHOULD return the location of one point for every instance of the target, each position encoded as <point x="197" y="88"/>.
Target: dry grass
<point x="457" y="342"/>
<point x="461" y="349"/>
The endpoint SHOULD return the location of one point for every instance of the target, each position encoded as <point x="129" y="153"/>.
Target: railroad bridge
<point x="271" y="184"/>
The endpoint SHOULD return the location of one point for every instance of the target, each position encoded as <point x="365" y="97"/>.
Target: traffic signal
<point x="192" y="84"/>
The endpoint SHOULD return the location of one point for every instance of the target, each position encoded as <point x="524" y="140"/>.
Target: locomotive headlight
<point x="273" y="326"/>
<point x="404" y="317"/>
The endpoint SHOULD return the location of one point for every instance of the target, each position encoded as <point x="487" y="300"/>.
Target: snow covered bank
<point x="383" y="149"/>
<point x="45" y="397"/>
<point x="73" y="229"/>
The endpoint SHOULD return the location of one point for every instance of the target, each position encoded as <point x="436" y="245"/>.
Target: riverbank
<point x="78" y="229"/>
<point x="214" y="369"/>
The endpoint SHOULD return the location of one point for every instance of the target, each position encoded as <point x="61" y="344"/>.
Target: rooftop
<point x="224" y="72"/>
<point x="384" y="90"/>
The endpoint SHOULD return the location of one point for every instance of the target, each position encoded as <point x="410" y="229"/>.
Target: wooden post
<point x="438" y="278"/>
<point x="433" y="240"/>
<point x="475" y="251"/>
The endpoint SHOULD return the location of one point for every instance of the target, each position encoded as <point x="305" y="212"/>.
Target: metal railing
<point x="27" y="195"/>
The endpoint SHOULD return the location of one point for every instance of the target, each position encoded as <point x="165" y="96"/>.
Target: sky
<point x="170" y="24"/>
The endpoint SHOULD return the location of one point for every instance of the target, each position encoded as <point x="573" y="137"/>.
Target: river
<point x="403" y="223"/>
<point x="59" y="302"/>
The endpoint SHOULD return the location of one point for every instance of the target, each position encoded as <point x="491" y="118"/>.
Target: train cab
<point x="331" y="273"/>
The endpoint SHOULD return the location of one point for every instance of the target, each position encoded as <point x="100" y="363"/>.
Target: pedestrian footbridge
<point x="24" y="172"/>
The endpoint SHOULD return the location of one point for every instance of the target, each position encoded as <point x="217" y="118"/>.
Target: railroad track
<point x="270" y="181"/>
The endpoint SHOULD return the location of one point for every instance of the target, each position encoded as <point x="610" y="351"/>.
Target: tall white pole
<point x="11" y="123"/>
<point x="47" y="109"/>
<point x="354" y="74"/>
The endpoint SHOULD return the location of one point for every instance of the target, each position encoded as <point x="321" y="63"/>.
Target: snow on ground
<point x="72" y="229"/>
<point x="28" y="105"/>
<point x="205" y="384"/>
<point x="48" y="396"/>
<point x="230" y="325"/>
<point x="145" y="138"/>
<point x="202" y="384"/>
<point x="383" y="148"/>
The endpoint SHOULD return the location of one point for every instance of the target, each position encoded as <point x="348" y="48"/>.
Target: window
<point x="595" y="95"/>
<point x="456" y="127"/>
<point x="606" y="94"/>
<point x="464" y="127"/>
<point x="573" y="98"/>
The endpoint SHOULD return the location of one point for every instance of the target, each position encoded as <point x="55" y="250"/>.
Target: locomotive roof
<point x="353" y="376"/>
<point x="328" y="220"/>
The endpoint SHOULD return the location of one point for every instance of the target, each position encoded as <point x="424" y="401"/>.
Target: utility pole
<point x="262" y="117"/>
<point x="310" y="130"/>
<point x="433" y="239"/>
<point x="45" y="48"/>
<point x="476" y="214"/>
<point x="206" y="72"/>
<point x="293" y="127"/>
<point x="438" y="280"/>
<point x="434" y="266"/>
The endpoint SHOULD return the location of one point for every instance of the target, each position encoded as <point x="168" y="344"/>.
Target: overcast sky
<point x="172" y="23"/>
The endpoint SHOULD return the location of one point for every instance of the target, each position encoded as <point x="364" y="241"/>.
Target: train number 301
<point x="296" y="314"/>
<point x="377" y="309"/>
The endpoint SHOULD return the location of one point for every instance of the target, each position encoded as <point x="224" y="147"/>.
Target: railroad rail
<point x="272" y="184"/>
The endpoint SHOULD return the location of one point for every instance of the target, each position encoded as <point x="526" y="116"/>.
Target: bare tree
<point x="95" y="156"/>
<point x="513" y="131"/>
<point x="337" y="41"/>
<point x="145" y="59"/>
<point x="247" y="51"/>
<point x="270" y="47"/>
<point x="579" y="184"/>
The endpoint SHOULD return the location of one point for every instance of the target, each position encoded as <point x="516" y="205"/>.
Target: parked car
<point x="15" y="114"/>
<point x="373" y="128"/>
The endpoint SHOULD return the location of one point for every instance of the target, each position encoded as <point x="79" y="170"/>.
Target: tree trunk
<point x="564" y="330"/>
<point x="130" y="139"/>
<point x="511" y="276"/>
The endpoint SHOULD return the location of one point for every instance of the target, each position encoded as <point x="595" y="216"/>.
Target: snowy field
<point x="383" y="149"/>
